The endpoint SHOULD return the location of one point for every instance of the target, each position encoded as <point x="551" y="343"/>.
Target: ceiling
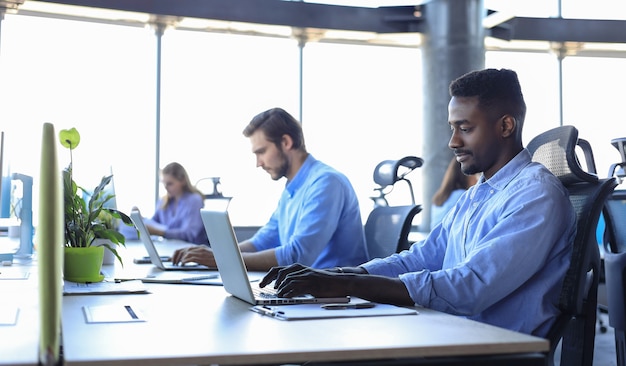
<point x="400" y="23"/>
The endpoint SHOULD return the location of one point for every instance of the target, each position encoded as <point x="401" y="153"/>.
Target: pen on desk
<point x="198" y="278"/>
<point x="362" y="305"/>
<point x="267" y="311"/>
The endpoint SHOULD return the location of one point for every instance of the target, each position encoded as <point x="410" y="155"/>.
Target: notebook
<point x="155" y="258"/>
<point x="233" y="270"/>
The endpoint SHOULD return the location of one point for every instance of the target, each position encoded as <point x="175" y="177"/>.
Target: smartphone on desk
<point x="146" y="259"/>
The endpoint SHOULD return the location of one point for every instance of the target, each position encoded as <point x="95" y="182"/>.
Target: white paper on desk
<point x="315" y="311"/>
<point x="8" y="315"/>
<point x="104" y="288"/>
<point x="184" y="277"/>
<point x="13" y="274"/>
<point x="112" y="314"/>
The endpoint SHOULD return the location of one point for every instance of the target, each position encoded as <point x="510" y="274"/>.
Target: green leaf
<point x="69" y="138"/>
<point x="88" y="220"/>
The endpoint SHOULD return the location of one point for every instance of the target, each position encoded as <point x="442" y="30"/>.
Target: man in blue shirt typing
<point x="501" y="254"/>
<point x="317" y="221"/>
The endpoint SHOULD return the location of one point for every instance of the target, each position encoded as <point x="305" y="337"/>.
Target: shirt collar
<point x="508" y="172"/>
<point x="298" y="180"/>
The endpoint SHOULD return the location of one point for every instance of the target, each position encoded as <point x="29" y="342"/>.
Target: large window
<point x="95" y="77"/>
<point x="361" y="104"/>
<point x="101" y="79"/>
<point x="213" y="84"/>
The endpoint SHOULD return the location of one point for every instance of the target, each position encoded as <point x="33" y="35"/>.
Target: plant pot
<point x="83" y="264"/>
<point x="109" y="257"/>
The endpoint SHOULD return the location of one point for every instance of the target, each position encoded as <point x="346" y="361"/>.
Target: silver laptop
<point x="233" y="270"/>
<point x="155" y="258"/>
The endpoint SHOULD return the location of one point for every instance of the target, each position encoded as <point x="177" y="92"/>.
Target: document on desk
<point x="112" y="314"/>
<point x="14" y="274"/>
<point x="323" y="311"/>
<point x="104" y="288"/>
<point x="195" y="278"/>
<point x="8" y="314"/>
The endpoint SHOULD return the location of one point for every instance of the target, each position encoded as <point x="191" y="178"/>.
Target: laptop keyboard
<point x="265" y="292"/>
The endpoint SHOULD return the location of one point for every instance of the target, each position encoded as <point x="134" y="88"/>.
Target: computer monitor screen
<point x="3" y="199"/>
<point x="5" y="181"/>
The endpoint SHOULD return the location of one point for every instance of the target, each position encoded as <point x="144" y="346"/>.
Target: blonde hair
<point x="179" y="173"/>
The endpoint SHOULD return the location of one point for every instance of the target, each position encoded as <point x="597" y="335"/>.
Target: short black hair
<point x="275" y="123"/>
<point x="498" y="91"/>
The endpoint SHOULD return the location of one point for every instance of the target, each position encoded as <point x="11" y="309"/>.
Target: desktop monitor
<point x="5" y="184"/>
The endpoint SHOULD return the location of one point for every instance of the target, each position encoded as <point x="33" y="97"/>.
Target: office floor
<point x="604" y="351"/>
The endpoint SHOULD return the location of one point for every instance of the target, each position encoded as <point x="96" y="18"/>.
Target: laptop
<point x="155" y="258"/>
<point x="233" y="270"/>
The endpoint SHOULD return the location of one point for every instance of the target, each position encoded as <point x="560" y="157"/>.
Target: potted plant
<point x="84" y="222"/>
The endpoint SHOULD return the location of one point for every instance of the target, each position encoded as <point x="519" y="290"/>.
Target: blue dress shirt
<point x="317" y="221"/>
<point x="499" y="256"/>
<point x="438" y="212"/>
<point x="182" y="220"/>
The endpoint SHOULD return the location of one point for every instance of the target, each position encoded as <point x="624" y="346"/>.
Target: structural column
<point x="453" y="44"/>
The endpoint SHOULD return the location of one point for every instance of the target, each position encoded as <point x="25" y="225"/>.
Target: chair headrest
<point x="386" y="172"/>
<point x="556" y="150"/>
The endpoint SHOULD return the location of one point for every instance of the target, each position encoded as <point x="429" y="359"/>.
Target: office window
<point x="541" y="96"/>
<point x="213" y="84"/>
<point x="98" y="78"/>
<point x="599" y="9"/>
<point x="362" y="105"/>
<point x="593" y="103"/>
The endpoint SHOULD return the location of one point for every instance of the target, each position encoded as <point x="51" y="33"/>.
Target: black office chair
<point x="617" y="169"/>
<point x="388" y="172"/>
<point x="387" y="229"/>
<point x="575" y="326"/>
<point x="615" y="265"/>
<point x="615" y="269"/>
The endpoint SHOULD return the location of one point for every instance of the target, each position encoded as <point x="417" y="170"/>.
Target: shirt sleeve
<point x="267" y="236"/>
<point x="314" y="225"/>
<point x="503" y="250"/>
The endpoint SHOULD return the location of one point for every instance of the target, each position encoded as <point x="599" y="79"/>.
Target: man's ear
<point x="286" y="142"/>
<point x="508" y="124"/>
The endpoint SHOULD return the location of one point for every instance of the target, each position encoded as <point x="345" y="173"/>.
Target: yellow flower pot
<point x="83" y="264"/>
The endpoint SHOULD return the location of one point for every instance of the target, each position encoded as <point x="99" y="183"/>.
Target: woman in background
<point x="454" y="183"/>
<point x="177" y="214"/>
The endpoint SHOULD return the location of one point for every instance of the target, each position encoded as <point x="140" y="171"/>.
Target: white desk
<point x="19" y="343"/>
<point x="189" y="324"/>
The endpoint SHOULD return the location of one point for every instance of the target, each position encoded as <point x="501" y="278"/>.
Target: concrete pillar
<point x="453" y="44"/>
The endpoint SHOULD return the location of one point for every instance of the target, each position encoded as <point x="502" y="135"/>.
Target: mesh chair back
<point x="556" y="149"/>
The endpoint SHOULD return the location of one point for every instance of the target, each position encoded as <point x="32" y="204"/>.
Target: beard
<point x="283" y="168"/>
<point x="470" y="169"/>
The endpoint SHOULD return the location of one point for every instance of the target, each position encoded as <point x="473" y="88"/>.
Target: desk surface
<point x="189" y="324"/>
<point x="19" y="343"/>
